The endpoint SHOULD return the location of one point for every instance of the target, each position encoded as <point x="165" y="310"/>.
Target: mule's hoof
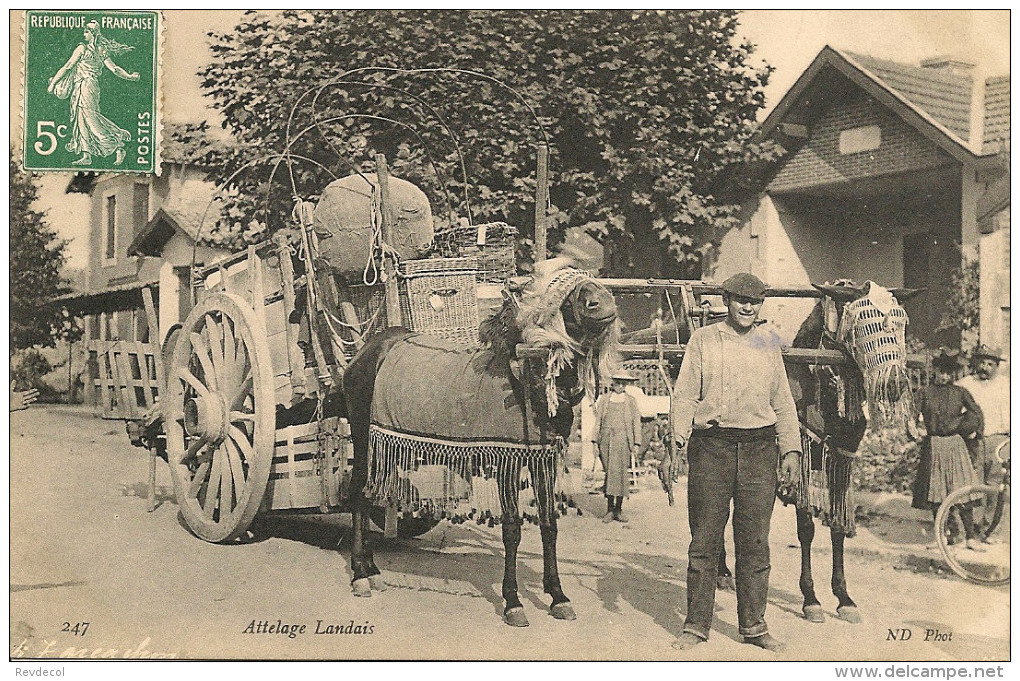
<point x="725" y="583"/>
<point x="814" y="613"/>
<point x="515" y="617"/>
<point x="563" y="611"/>
<point x="849" y="613"/>
<point x="362" y="587"/>
<point x="377" y="583"/>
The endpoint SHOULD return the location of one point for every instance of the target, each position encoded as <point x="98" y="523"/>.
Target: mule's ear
<point x="518" y="284"/>
<point x="904" y="294"/>
<point x="839" y="292"/>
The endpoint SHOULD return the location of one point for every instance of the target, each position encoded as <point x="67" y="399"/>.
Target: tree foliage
<point x="36" y="258"/>
<point x="962" y="311"/>
<point x="647" y="112"/>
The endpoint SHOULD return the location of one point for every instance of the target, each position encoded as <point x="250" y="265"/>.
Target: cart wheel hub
<point x="206" y="417"/>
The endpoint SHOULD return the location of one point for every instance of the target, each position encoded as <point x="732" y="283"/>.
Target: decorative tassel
<point x="842" y="504"/>
<point x="826" y="484"/>
<point x="429" y="477"/>
<point x="840" y="386"/>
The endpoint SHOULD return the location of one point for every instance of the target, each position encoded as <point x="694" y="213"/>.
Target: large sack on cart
<point x="347" y="221"/>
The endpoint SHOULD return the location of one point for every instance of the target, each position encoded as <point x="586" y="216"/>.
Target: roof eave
<point x="141" y="246"/>
<point x="87" y="302"/>
<point x="873" y="85"/>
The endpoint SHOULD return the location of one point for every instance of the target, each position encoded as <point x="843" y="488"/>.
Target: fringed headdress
<point x="873" y="327"/>
<point x="541" y="322"/>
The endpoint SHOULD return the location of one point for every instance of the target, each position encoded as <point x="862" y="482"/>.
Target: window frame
<point x="136" y="185"/>
<point x="108" y="226"/>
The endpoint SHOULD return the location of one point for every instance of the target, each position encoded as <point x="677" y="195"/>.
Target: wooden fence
<point x="125" y="376"/>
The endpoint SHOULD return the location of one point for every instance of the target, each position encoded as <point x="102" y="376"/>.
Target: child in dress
<point x="618" y="433"/>
<point x="953" y="422"/>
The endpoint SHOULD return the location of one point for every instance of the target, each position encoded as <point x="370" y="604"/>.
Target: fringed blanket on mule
<point x="447" y="429"/>
<point x="826" y="486"/>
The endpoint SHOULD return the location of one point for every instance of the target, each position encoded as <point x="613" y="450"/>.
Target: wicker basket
<point x="492" y="243"/>
<point x="438" y="296"/>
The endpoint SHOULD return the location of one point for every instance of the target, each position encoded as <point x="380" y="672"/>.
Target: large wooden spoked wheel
<point x="220" y="417"/>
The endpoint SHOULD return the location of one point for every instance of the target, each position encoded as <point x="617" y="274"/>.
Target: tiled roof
<point x="190" y="202"/>
<point x="996" y="112"/>
<point x="942" y="95"/>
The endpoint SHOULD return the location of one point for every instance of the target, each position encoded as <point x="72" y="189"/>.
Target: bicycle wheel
<point x="991" y="565"/>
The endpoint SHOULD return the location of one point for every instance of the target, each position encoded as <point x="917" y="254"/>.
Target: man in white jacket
<point x="732" y="404"/>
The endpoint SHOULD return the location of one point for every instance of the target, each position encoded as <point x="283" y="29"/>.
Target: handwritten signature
<point x="52" y="649"/>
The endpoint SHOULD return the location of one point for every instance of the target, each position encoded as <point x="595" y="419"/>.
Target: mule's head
<point x="588" y="311"/>
<point x="567" y="311"/>
<point x="868" y="322"/>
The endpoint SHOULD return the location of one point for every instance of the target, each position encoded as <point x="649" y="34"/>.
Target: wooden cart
<point x="267" y="340"/>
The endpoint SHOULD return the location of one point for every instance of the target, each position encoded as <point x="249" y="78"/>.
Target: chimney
<point x="956" y="67"/>
<point x="976" y="75"/>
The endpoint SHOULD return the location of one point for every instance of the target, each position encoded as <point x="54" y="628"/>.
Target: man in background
<point x="989" y="386"/>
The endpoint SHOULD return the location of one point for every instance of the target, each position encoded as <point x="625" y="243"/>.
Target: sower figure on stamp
<point x="731" y="402"/>
<point x="618" y="429"/>
<point x="92" y="133"/>
<point x="989" y="386"/>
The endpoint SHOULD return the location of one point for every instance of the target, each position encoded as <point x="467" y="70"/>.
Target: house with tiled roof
<point x="145" y="232"/>
<point x="885" y="169"/>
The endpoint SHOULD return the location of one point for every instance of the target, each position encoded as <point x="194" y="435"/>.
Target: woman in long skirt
<point x="92" y="133"/>
<point x="952" y="418"/>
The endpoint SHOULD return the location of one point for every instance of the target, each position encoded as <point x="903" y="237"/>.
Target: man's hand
<point x="20" y="399"/>
<point x="679" y="443"/>
<point x="789" y="468"/>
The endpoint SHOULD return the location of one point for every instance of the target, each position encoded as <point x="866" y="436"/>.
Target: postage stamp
<point x="91" y="91"/>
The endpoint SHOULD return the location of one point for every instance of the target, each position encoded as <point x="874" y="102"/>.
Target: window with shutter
<point x="110" y="227"/>
<point x="140" y="207"/>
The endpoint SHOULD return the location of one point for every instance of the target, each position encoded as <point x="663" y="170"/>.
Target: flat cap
<point x="746" y="285"/>
<point x="984" y="351"/>
<point x="623" y="375"/>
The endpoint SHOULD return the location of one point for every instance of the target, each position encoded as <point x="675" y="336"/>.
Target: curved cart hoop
<point x="318" y="90"/>
<point x="435" y="168"/>
<point x="998" y="451"/>
<point x="450" y="70"/>
<point x="217" y="195"/>
<point x="442" y="121"/>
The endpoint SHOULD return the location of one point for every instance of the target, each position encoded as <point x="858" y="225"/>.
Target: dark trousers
<point x="989" y="472"/>
<point x="742" y="470"/>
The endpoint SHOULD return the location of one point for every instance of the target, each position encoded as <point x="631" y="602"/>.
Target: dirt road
<point x="84" y="549"/>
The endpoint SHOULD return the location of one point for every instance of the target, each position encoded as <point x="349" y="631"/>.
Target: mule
<point x="834" y="404"/>
<point x="417" y="404"/>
